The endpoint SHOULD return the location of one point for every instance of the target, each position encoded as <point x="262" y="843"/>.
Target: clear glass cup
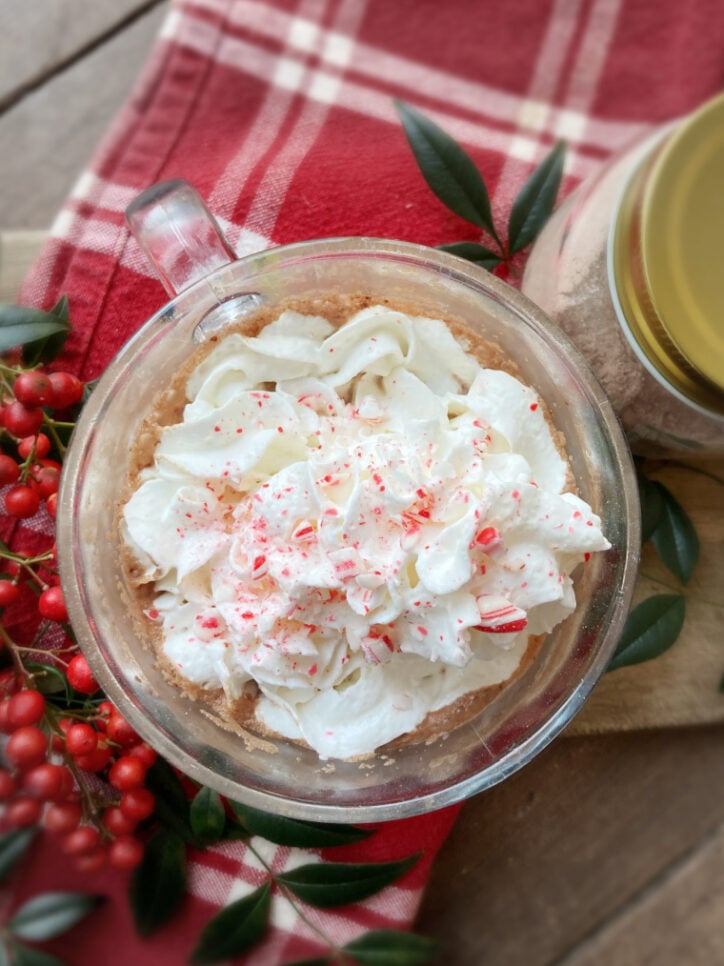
<point x="280" y="776"/>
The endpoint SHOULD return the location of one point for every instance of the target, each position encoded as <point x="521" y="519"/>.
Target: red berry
<point x="52" y="504"/>
<point x="48" y="782"/>
<point x="125" y="852"/>
<point x="81" y="840"/>
<point x="51" y="605"/>
<point x="117" y="823"/>
<point x="40" y="442"/>
<point x="5" y="727"/>
<point x="8" y="785"/>
<point x="127" y="773"/>
<point x="80" y="676"/>
<point x="96" y="760"/>
<point x="34" y="389"/>
<point x="68" y="389"/>
<point x="105" y="712"/>
<point x="21" y="501"/>
<point x="143" y="751"/>
<point x="9" y="469"/>
<point x="137" y="803"/>
<point x="20" y="421"/>
<point x="9" y="683"/>
<point x="9" y="593"/>
<point x="91" y="861"/>
<point x="26" y="747"/>
<point x="45" y="481"/>
<point x="23" y="811"/>
<point x="119" y="730"/>
<point x="81" y="739"/>
<point x="63" y="817"/>
<point x="25" y="708"/>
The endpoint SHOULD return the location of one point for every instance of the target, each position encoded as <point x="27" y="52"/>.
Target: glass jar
<point x="629" y="267"/>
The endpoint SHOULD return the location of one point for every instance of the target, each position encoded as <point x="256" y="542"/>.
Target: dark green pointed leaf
<point x="389" y="947"/>
<point x="21" y="325"/>
<point x="26" y="956"/>
<point x="651" y="629"/>
<point x="536" y="199"/>
<point x="448" y="170"/>
<point x="472" y="252"/>
<point x="721" y="685"/>
<point x="12" y="847"/>
<point x="48" y="679"/>
<point x="48" y="348"/>
<point x="318" y="961"/>
<point x="293" y="832"/>
<point x="337" y="884"/>
<point x="51" y="914"/>
<point x="207" y="816"/>
<point x="236" y="928"/>
<point x="172" y="803"/>
<point x="652" y="507"/>
<point x="158" y="884"/>
<point x="675" y="538"/>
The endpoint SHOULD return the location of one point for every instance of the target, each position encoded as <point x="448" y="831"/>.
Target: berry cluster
<point x="31" y="475"/>
<point x="83" y="775"/>
<point x="70" y="761"/>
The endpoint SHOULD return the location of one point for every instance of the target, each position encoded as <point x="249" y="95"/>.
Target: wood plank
<point x="536" y="864"/>
<point x="49" y="136"/>
<point x="38" y="36"/>
<point x="680" y="920"/>
<point x="17" y="253"/>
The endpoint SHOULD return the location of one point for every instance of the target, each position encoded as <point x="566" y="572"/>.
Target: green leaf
<point x="25" y="956"/>
<point x="207" y="816"/>
<point x="651" y="629"/>
<point x="721" y="685"/>
<point x="652" y="506"/>
<point x="535" y="201"/>
<point x="48" y="679"/>
<point x="172" y="803"/>
<point x="318" y="961"/>
<point x="336" y="884"/>
<point x="158" y="884"/>
<point x="13" y="846"/>
<point x="21" y="325"/>
<point x="236" y="928"/>
<point x="675" y="538"/>
<point x="4" y="954"/>
<point x="51" y="914"/>
<point x="293" y="832"/>
<point x="472" y="252"/>
<point x="46" y="349"/>
<point x="389" y="947"/>
<point x="448" y="170"/>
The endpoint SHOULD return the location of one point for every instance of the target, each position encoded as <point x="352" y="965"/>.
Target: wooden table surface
<point x="607" y="850"/>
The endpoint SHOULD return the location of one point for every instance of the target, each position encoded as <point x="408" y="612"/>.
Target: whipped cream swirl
<point x="373" y="537"/>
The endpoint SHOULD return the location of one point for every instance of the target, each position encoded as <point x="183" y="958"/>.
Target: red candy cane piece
<point x="499" y="616"/>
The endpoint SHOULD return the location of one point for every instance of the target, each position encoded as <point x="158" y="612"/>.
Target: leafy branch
<point x="654" y="625"/>
<point x="158" y="885"/>
<point x="453" y="176"/>
<point x="41" y="918"/>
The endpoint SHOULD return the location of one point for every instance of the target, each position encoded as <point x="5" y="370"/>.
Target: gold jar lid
<point x="668" y="258"/>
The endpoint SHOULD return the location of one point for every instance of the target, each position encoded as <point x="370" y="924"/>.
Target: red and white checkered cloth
<point x="281" y="113"/>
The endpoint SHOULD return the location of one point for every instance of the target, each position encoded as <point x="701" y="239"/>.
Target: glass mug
<point x="193" y="260"/>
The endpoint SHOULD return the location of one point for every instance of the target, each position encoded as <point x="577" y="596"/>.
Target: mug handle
<point x="178" y="234"/>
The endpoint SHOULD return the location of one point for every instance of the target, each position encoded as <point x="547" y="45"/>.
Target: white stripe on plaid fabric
<point x="244" y="56"/>
<point x="273" y="188"/>
<point x="453" y="91"/>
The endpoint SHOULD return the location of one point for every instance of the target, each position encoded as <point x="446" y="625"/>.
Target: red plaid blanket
<point x="281" y="113"/>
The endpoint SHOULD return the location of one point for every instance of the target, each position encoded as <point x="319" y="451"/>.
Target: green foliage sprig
<point x="453" y="176"/>
<point x="41" y="918"/>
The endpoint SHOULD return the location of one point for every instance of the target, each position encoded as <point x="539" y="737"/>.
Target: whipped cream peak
<point x="360" y="517"/>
